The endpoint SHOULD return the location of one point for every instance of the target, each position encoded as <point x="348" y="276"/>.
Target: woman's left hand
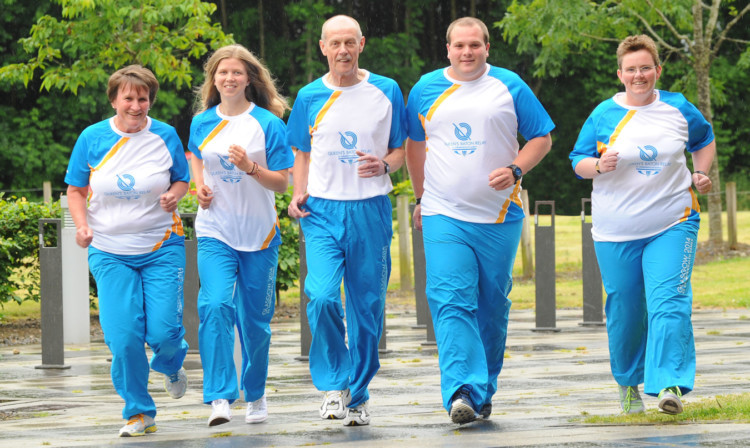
<point x="702" y="183"/>
<point x="168" y="202"/>
<point x="238" y="157"/>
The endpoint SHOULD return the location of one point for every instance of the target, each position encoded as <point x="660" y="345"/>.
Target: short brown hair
<point x="639" y="42"/>
<point x="468" y="21"/>
<point x="135" y="75"/>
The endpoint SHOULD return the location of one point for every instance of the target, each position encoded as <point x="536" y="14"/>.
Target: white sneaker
<point x="176" y="383"/>
<point x="257" y="411"/>
<point x="358" y="415"/>
<point x="334" y="404"/>
<point x="138" y="425"/>
<point x="221" y="412"/>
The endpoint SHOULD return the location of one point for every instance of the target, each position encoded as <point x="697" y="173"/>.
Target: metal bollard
<point x="51" y="292"/>
<point x="305" y="337"/>
<point x="544" y="248"/>
<point x="75" y="285"/>
<point x="420" y="277"/>
<point x="592" y="279"/>
<point x="191" y="286"/>
<point x="424" y="317"/>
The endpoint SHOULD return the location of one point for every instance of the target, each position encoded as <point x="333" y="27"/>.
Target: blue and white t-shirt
<point x="332" y="123"/>
<point x="243" y="212"/>
<point x="127" y="174"/>
<point x="471" y="129"/>
<point x="650" y="189"/>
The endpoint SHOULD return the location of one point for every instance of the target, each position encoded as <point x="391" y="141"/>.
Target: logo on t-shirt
<point x="648" y="165"/>
<point x="465" y="145"/>
<point x="348" y="141"/>
<point x="125" y="182"/>
<point x="228" y="174"/>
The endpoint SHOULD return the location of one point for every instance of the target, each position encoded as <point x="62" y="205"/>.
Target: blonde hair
<point x="261" y="90"/>
<point x="468" y="21"/>
<point x="134" y="75"/>
<point x="632" y="44"/>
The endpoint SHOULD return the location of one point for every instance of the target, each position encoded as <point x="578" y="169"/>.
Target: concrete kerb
<point x="549" y="380"/>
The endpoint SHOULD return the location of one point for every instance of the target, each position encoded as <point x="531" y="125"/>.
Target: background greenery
<point x="55" y="57"/>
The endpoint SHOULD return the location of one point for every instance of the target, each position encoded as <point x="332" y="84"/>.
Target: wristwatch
<point x="386" y="166"/>
<point x="517" y="173"/>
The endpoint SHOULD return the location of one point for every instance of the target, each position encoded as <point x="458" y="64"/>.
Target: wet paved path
<point x="549" y="381"/>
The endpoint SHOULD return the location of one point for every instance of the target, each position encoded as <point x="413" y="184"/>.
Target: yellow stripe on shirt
<point x="440" y="100"/>
<point x="324" y="110"/>
<point x="120" y="143"/>
<point x="602" y="147"/>
<point x="213" y="134"/>
<point x="515" y="198"/>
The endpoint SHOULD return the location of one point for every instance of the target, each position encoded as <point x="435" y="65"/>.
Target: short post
<point x="51" y="292"/>
<point x="47" y="191"/>
<point x="402" y="216"/>
<point x="75" y="286"/>
<point x="730" y="190"/>
<point x="593" y="314"/>
<point x="305" y="336"/>
<point x="526" y="252"/>
<point x="545" y="270"/>
<point x="424" y="316"/>
<point x="191" y="285"/>
<point x="420" y="277"/>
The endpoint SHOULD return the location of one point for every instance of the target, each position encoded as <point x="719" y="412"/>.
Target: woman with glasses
<point x="645" y="224"/>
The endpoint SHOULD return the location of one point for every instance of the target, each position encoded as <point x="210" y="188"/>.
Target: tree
<point x="684" y="29"/>
<point x="96" y="36"/>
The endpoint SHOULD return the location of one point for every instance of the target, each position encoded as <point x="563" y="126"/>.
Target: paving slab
<point x="549" y="381"/>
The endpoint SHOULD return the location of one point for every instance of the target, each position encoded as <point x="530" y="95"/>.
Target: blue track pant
<point x="140" y="301"/>
<point x="236" y="287"/>
<point x="469" y="277"/>
<point x="649" y="308"/>
<point x="349" y="240"/>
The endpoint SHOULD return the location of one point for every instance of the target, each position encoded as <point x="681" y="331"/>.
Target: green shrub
<point x="19" y="246"/>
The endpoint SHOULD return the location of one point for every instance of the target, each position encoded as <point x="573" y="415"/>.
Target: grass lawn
<point x="719" y="284"/>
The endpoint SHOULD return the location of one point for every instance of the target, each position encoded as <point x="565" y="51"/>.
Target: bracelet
<point x="700" y="172"/>
<point x="254" y="170"/>
<point x="597" y="166"/>
<point x="419" y="201"/>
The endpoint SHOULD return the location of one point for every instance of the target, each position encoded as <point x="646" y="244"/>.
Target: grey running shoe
<point x="669" y="400"/>
<point x="334" y="404"/>
<point x="358" y="415"/>
<point x="138" y="425"/>
<point x="176" y="383"/>
<point x="630" y="400"/>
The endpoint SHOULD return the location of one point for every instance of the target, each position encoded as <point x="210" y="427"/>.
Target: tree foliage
<point x="95" y="37"/>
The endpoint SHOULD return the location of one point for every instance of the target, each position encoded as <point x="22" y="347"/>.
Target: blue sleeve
<point x="195" y="137"/>
<point x="585" y="146"/>
<point x="700" y="132"/>
<point x="298" y="128"/>
<point x="179" y="172"/>
<point x="78" y="167"/>
<point x="414" y="127"/>
<point x="398" y="119"/>
<point x="279" y="155"/>
<point x="533" y="119"/>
